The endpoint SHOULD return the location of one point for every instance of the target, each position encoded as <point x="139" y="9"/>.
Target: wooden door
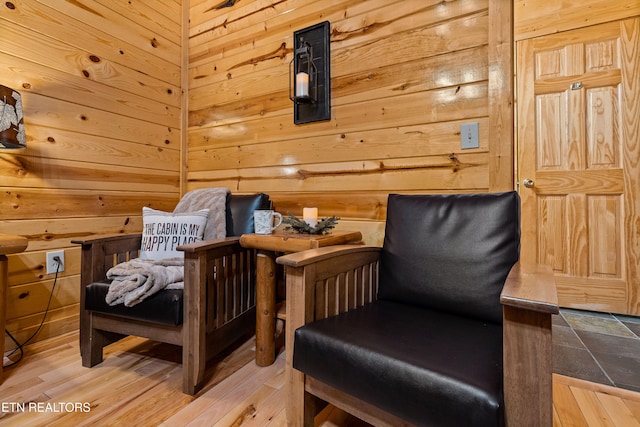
<point x="579" y="162"/>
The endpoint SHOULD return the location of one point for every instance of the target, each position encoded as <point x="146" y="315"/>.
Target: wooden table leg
<point x="3" y="302"/>
<point x="265" y="308"/>
<point x="9" y="244"/>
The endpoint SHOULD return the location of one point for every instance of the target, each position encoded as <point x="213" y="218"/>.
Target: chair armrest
<point x="103" y="238"/>
<point x="101" y="252"/>
<point x="330" y="280"/>
<point x="303" y="258"/>
<point x="531" y="287"/>
<point x="529" y="300"/>
<point x="206" y="245"/>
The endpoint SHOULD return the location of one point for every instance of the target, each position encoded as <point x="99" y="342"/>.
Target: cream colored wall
<point x="101" y="88"/>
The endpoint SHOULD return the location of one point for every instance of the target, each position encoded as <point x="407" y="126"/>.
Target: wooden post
<point x="529" y="299"/>
<point x="299" y="312"/>
<point x="265" y="307"/>
<point x="528" y="375"/>
<point x="3" y="302"/>
<point x="194" y="336"/>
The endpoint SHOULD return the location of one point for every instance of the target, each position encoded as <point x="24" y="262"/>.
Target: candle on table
<point x="310" y="216"/>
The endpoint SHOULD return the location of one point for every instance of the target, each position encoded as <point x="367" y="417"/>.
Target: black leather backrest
<point x="450" y="252"/>
<point x="240" y="209"/>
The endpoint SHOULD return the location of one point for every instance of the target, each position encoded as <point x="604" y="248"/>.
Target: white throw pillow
<point x="164" y="231"/>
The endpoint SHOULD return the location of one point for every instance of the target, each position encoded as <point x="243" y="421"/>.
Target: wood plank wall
<point x="535" y="18"/>
<point x="101" y="84"/>
<point x="405" y="75"/>
<point x="101" y="87"/>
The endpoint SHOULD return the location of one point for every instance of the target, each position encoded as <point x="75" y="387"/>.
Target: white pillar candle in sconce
<point x="310" y="216"/>
<point x="302" y="84"/>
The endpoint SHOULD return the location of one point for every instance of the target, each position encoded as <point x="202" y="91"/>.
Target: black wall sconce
<point x="309" y="74"/>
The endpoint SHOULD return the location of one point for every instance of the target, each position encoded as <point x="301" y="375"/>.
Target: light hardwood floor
<point x="50" y="388"/>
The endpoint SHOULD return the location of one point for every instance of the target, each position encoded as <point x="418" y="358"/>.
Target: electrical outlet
<point x="52" y="264"/>
<point x="469" y="137"/>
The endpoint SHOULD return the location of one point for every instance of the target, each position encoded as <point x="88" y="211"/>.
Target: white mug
<point x="263" y="221"/>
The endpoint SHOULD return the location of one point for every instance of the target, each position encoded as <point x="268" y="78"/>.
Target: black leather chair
<point x="441" y="326"/>
<point x="216" y="307"/>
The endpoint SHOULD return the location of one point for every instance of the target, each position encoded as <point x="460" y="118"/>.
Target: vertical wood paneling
<point x="184" y="105"/>
<point x="405" y="76"/>
<point x="501" y="97"/>
<point x="631" y="136"/>
<point x="101" y="87"/>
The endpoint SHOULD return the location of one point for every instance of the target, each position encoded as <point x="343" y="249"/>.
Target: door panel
<point x="578" y="144"/>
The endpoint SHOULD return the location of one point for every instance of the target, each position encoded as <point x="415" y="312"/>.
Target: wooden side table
<point x="9" y="244"/>
<point x="267" y="245"/>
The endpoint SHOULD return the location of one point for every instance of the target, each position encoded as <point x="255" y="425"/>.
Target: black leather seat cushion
<point x="165" y="307"/>
<point x="450" y="252"/>
<point x="417" y="363"/>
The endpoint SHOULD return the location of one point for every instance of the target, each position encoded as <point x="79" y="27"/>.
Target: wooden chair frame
<point x="219" y="301"/>
<point x="327" y="281"/>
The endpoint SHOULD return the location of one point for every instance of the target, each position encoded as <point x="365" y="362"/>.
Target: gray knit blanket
<point x="135" y="280"/>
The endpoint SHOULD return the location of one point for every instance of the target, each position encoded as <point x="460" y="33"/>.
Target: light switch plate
<point x="469" y="136"/>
